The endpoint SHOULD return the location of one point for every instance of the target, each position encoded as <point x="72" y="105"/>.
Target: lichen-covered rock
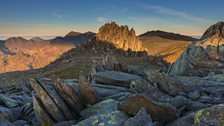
<point x="141" y="86"/>
<point x="102" y="107"/>
<point x="119" y="36"/>
<point x="86" y="91"/>
<point x="203" y="57"/>
<point x="213" y="116"/>
<point x="142" y="118"/>
<point x="115" y="118"/>
<point x="115" y="78"/>
<point x="158" y="111"/>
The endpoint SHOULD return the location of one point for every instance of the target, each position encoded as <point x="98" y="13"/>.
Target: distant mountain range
<point x="19" y="54"/>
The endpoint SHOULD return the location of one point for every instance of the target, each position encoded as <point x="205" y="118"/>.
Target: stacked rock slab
<point x="120" y="36"/>
<point x="203" y="57"/>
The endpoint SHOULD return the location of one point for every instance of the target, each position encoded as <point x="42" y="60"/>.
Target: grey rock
<point x="20" y="123"/>
<point x="115" y="118"/>
<point x="212" y="116"/>
<point x="115" y="78"/>
<point x="106" y="106"/>
<point x="141" y="86"/>
<point x="142" y="118"/>
<point x="66" y="123"/>
<point x="194" y="95"/>
<point x="5" y="122"/>
<point x="9" y="102"/>
<point x="187" y="120"/>
<point x="6" y="113"/>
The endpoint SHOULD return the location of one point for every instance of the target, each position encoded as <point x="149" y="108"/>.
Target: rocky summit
<point x="120" y="36"/>
<point x="204" y="57"/>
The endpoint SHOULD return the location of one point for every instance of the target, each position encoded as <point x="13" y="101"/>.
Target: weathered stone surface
<point x="69" y="95"/>
<point x="115" y="118"/>
<point x="158" y="111"/>
<point x="141" y="86"/>
<point x="203" y="57"/>
<point x="105" y="92"/>
<point x="167" y="84"/>
<point x="47" y="101"/>
<point x="41" y="114"/>
<point x="9" y="102"/>
<point x="115" y="78"/>
<point x="5" y="122"/>
<point x="120" y="36"/>
<point x="66" y="123"/>
<point x="194" y="95"/>
<point x="142" y="118"/>
<point x="20" y="123"/>
<point x="102" y="107"/>
<point x="86" y="90"/>
<point x="187" y="120"/>
<point x="213" y="116"/>
<point x="6" y="113"/>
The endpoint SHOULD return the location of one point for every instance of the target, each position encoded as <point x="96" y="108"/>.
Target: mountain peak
<point x="36" y="39"/>
<point x="167" y="35"/>
<point x="120" y="36"/>
<point x="216" y="29"/>
<point x="72" y="34"/>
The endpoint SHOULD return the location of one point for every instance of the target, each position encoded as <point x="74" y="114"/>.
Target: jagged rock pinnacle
<point x="120" y="36"/>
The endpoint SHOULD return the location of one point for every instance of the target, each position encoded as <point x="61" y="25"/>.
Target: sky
<point x="48" y="18"/>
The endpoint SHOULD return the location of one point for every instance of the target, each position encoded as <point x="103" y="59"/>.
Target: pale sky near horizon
<point x="58" y="17"/>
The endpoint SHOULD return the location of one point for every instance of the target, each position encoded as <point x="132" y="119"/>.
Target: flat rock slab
<point x="115" y="78"/>
<point x="115" y="118"/>
<point x="105" y="106"/>
<point x="9" y="102"/>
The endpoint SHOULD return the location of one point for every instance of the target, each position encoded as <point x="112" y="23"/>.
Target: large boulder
<point x="203" y="57"/>
<point x="105" y="106"/>
<point x="158" y="111"/>
<point x="115" y="78"/>
<point x="213" y="116"/>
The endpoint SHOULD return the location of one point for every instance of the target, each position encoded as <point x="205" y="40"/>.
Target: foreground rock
<point x="203" y="57"/>
<point x="105" y="106"/>
<point x="213" y="116"/>
<point x="142" y="118"/>
<point x="158" y="111"/>
<point x="115" y="78"/>
<point x="115" y="118"/>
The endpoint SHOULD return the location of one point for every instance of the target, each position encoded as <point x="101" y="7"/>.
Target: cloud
<point x="57" y="14"/>
<point x="101" y="20"/>
<point x="177" y="13"/>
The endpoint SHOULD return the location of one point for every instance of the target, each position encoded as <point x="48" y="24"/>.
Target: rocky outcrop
<point x="203" y="57"/>
<point x="120" y="36"/>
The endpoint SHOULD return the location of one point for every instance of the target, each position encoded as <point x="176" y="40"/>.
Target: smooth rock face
<point x="187" y="120"/>
<point x="9" y="102"/>
<point x="115" y="118"/>
<point x="115" y="78"/>
<point x="119" y="36"/>
<point x="203" y="57"/>
<point x="158" y="111"/>
<point x="212" y="116"/>
<point x="142" y="118"/>
<point x="102" y="107"/>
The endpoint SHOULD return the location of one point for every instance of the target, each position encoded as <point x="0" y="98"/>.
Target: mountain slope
<point x="167" y="45"/>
